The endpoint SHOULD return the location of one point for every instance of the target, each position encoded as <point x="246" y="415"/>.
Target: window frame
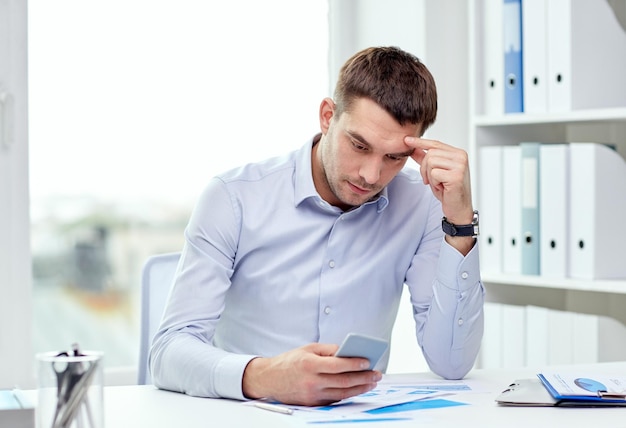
<point x="15" y="259"/>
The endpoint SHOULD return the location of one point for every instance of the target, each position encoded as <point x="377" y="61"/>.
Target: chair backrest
<point x="156" y="280"/>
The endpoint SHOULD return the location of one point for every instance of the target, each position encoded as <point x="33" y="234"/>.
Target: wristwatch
<point x="463" y="229"/>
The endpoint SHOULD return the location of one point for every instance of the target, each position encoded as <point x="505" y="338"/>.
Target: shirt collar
<point x="303" y="179"/>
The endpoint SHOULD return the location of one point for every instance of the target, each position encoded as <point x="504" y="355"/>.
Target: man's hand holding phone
<point x="306" y="376"/>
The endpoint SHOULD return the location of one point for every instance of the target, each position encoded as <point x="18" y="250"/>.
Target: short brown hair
<point x="394" y="79"/>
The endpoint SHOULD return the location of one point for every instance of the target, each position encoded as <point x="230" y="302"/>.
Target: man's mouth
<point x="359" y="190"/>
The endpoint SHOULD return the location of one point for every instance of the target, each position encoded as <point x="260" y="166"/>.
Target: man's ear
<point x="327" y="111"/>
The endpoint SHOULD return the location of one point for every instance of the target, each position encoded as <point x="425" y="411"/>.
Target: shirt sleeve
<point x="182" y="357"/>
<point x="448" y="297"/>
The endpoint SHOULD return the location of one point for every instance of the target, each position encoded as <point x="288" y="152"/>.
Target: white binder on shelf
<point x="493" y="61"/>
<point x="586" y="340"/>
<point x="490" y="200"/>
<point x="611" y="339"/>
<point x="536" y="336"/>
<point x="586" y="56"/>
<point x="511" y="210"/>
<point x="535" y="56"/>
<point x="513" y="336"/>
<point x="491" y="350"/>
<point x="530" y="208"/>
<point x="560" y="337"/>
<point x="598" y="201"/>
<point x="554" y="213"/>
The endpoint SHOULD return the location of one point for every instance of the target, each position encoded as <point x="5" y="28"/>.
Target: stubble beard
<point x="349" y="199"/>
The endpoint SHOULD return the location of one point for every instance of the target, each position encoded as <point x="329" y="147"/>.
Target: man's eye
<point x="358" y="146"/>
<point x="395" y="157"/>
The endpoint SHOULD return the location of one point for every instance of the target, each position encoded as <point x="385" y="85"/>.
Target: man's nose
<point x="370" y="170"/>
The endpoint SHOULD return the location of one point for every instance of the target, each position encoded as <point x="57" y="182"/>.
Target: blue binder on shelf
<point x="530" y="158"/>
<point x="513" y="68"/>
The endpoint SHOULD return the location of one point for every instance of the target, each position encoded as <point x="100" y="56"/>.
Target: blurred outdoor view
<point x="133" y="106"/>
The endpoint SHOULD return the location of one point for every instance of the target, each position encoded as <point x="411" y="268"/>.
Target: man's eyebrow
<point x="407" y="153"/>
<point x="358" y="137"/>
<point x="363" y="141"/>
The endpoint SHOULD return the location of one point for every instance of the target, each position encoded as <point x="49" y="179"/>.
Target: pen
<point x="274" y="408"/>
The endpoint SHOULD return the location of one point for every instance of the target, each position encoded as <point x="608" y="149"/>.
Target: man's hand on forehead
<point x="420" y="147"/>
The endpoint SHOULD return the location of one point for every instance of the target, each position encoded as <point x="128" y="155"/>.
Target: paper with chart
<point x="584" y="384"/>
<point x="394" y="399"/>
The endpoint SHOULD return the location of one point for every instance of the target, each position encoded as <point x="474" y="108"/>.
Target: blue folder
<point x="601" y="398"/>
<point x="513" y="79"/>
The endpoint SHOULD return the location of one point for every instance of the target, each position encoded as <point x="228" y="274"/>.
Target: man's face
<point x="360" y="152"/>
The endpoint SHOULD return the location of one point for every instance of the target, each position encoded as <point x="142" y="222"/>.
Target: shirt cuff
<point x="455" y="271"/>
<point x="229" y="376"/>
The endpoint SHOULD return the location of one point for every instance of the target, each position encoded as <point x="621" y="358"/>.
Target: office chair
<point x="156" y="280"/>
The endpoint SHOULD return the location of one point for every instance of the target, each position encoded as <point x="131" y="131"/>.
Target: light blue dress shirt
<point x="269" y="266"/>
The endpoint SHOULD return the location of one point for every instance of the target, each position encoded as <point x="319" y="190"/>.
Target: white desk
<point x="145" y="406"/>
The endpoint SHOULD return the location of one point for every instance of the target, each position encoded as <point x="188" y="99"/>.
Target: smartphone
<point x="360" y="345"/>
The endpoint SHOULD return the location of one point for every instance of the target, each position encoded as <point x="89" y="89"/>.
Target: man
<point x="283" y="258"/>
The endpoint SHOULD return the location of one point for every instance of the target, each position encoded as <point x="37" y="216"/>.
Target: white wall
<point x="15" y="271"/>
<point x="447" y="54"/>
<point x="355" y="25"/>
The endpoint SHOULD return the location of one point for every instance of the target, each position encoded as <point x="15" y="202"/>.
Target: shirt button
<point x="327" y="310"/>
<point x="460" y="321"/>
<point x="331" y="263"/>
<point x="464" y="275"/>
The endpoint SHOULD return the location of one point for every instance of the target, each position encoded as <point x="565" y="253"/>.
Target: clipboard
<point x="535" y="393"/>
<point x="526" y="393"/>
<point x="584" y="390"/>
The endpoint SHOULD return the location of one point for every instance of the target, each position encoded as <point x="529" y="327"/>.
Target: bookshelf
<point x="606" y="125"/>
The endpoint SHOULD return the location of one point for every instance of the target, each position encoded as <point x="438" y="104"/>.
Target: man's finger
<point x="423" y="143"/>
<point x="323" y="349"/>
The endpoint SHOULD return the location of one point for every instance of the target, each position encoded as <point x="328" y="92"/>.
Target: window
<point x="133" y="106"/>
